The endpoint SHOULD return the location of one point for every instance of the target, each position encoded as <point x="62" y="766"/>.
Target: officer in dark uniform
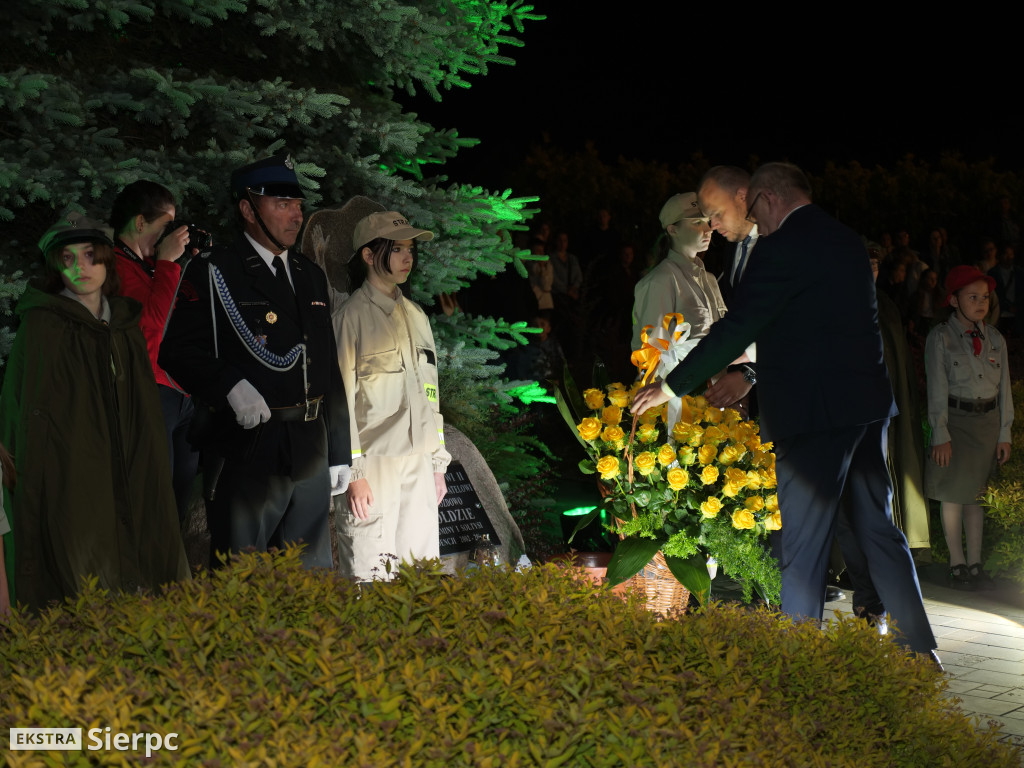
<point x="251" y="340"/>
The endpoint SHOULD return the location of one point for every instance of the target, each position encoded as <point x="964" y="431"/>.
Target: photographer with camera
<point x="149" y="246"/>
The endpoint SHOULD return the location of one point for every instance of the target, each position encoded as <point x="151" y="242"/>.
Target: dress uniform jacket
<point x="276" y="321"/>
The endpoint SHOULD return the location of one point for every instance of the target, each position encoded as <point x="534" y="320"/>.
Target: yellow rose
<point x="731" y="454"/>
<point x="771" y="503"/>
<point x="743" y="519"/>
<point x="645" y="463"/>
<point x="681" y="431"/>
<point x="611" y="415"/>
<point x="707" y="454"/>
<point x="608" y="466"/>
<point x="696" y="435"/>
<point x="651" y="415"/>
<point x="594" y="398"/>
<point x="773" y="522"/>
<point x="743" y="433"/>
<point x="614" y="435"/>
<point x="731" y="489"/>
<point x="666" y="455"/>
<point x="615" y="385"/>
<point x="711" y="507"/>
<point x="754" y="503"/>
<point x="714" y="435"/>
<point x="618" y="397"/>
<point x="736" y="476"/>
<point x="687" y="413"/>
<point x="686" y="455"/>
<point x="767" y="478"/>
<point x="753" y="480"/>
<point x="677" y="478"/>
<point x="732" y="416"/>
<point x="709" y="475"/>
<point x="700" y="403"/>
<point x="589" y="429"/>
<point x="713" y="415"/>
<point x="647" y="433"/>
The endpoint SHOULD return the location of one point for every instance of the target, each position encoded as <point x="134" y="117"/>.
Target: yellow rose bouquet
<point x="704" y="486"/>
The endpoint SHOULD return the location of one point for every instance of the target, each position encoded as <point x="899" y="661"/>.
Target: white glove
<point x="249" y="406"/>
<point x="339" y="478"/>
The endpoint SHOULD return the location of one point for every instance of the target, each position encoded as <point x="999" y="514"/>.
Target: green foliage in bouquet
<point x="704" y="488"/>
<point x="1003" y="500"/>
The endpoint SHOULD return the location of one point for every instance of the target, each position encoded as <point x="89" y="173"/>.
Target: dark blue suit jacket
<point x="807" y="298"/>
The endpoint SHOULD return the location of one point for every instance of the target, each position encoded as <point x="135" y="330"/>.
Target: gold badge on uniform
<point x="271" y="317"/>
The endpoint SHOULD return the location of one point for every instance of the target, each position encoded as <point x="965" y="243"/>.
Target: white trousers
<point x="402" y="522"/>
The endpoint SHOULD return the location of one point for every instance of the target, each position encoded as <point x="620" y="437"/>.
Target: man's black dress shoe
<point x="833" y="593"/>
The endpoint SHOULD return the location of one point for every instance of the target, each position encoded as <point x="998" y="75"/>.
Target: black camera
<point x="198" y="238"/>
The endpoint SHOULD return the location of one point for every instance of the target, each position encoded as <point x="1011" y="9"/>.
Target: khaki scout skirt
<point x="974" y="437"/>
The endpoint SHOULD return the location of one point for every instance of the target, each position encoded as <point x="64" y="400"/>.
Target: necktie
<point x="976" y="338"/>
<point x="743" y="260"/>
<point x="282" y="274"/>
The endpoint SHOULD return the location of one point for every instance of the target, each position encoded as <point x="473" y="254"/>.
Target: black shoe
<point x="832" y="594"/>
<point x="981" y="579"/>
<point x="960" y="578"/>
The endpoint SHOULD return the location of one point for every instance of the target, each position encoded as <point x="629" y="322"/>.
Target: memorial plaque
<point x="461" y="519"/>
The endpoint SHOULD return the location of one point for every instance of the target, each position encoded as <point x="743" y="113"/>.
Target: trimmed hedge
<point x="265" y="664"/>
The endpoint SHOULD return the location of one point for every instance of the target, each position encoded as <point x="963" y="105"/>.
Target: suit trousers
<point x="402" y="522"/>
<point x="263" y="510"/>
<point x="816" y="473"/>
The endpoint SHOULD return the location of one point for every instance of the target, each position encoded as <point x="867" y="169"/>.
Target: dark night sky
<point x="668" y="83"/>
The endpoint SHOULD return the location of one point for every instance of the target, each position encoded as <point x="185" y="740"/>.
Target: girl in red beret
<point x="970" y="410"/>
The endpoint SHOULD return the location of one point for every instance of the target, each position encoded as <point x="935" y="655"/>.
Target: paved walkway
<point x="981" y="645"/>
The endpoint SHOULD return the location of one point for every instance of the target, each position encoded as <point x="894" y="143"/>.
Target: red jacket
<point x="156" y="294"/>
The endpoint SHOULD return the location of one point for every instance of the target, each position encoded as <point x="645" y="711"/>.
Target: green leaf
<point x="563" y="409"/>
<point x="584" y="521"/>
<point x="630" y="556"/>
<point x="572" y="394"/>
<point x="692" y="573"/>
<point x="587" y="466"/>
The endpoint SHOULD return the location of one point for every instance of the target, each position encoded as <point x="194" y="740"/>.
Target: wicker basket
<point x="665" y="595"/>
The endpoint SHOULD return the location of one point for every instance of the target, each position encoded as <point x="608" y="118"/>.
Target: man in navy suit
<point x="824" y="394"/>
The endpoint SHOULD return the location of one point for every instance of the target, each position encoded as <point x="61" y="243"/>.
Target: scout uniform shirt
<point x="390" y="376"/>
<point x="953" y="370"/>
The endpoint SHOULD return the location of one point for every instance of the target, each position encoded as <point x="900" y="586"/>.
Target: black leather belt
<point x="308" y="411"/>
<point x="973" y="406"/>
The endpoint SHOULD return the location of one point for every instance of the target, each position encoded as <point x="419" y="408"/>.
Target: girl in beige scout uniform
<point x="970" y="411"/>
<point x="389" y="367"/>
